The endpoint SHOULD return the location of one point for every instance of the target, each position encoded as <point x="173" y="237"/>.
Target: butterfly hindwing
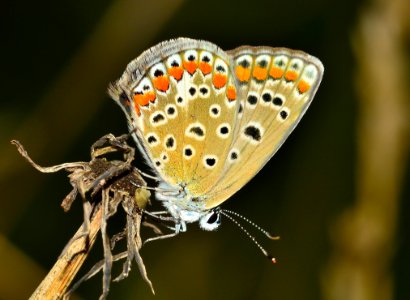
<point x="276" y="87"/>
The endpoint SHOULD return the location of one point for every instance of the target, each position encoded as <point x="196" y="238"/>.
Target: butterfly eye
<point x="213" y="218"/>
<point x="210" y="221"/>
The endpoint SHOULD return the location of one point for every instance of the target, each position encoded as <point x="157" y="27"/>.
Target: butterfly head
<point x="211" y="220"/>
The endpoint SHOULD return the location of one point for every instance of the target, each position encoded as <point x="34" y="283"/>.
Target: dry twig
<point x="103" y="185"/>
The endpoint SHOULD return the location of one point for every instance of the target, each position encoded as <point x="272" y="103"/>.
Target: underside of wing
<point x="180" y="97"/>
<point x="276" y="86"/>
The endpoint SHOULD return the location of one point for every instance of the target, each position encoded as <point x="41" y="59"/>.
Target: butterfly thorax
<point x="180" y="201"/>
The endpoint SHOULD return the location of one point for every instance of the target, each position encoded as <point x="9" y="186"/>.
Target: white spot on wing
<point x="152" y="139"/>
<point x="171" y="111"/>
<point x="253" y="132"/>
<point x="208" y="54"/>
<point x="158" y="118"/>
<point x="188" y="152"/>
<point x="223" y="130"/>
<point x="283" y="114"/>
<point x="180" y="100"/>
<point x="173" y="59"/>
<point x="189" y="53"/>
<point x="144" y="86"/>
<point x="159" y="67"/>
<point x="196" y="130"/>
<point x="233" y="155"/>
<point x="170" y="142"/>
<point x="192" y="92"/>
<point x="252" y="100"/>
<point x="210" y="161"/>
<point x="215" y="110"/>
<point x="164" y="157"/>
<point x="204" y="91"/>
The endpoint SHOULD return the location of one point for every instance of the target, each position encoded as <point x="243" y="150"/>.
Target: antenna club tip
<point x="273" y="237"/>
<point x="272" y="259"/>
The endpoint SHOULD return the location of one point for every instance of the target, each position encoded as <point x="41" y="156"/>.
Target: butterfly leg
<point x="161" y="237"/>
<point x="148" y="175"/>
<point x="179" y="227"/>
<point x="158" y="215"/>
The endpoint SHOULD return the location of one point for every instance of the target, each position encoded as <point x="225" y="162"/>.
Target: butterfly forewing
<point x="182" y="102"/>
<point x="276" y="88"/>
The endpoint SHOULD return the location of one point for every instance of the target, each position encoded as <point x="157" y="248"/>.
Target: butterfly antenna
<point x="269" y="256"/>
<point x="265" y="232"/>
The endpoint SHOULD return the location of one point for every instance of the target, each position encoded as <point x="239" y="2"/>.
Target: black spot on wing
<point x="253" y="132"/>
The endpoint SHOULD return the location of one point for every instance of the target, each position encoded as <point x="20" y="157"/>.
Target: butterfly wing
<point x="276" y="86"/>
<point x="181" y="97"/>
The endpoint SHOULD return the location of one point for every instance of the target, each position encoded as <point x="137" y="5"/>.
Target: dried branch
<point x="103" y="185"/>
<point x="59" y="278"/>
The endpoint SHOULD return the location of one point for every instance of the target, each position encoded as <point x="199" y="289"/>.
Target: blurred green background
<point x="335" y="192"/>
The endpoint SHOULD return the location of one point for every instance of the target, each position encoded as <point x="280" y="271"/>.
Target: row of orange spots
<point x="243" y="74"/>
<point x="303" y="86"/>
<point x="176" y="72"/>
<point x="260" y="73"/>
<point x="219" y="80"/>
<point x="231" y="93"/>
<point x="191" y="67"/>
<point x="161" y="83"/>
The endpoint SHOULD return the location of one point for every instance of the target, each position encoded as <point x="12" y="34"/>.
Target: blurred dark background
<point x="335" y="192"/>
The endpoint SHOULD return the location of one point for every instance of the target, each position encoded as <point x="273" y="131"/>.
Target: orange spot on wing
<point x="243" y="74"/>
<point x="260" y="73"/>
<point x="150" y="96"/>
<point x="144" y="99"/>
<point x="190" y="66"/>
<point x="219" y="80"/>
<point x="276" y="73"/>
<point x="141" y="99"/>
<point x="231" y="93"/>
<point x="176" y="72"/>
<point x="291" y="75"/>
<point x="137" y="109"/>
<point x="205" y="67"/>
<point x="303" y="86"/>
<point x="161" y="83"/>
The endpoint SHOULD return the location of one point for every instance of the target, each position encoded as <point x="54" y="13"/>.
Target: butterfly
<point x="207" y="120"/>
